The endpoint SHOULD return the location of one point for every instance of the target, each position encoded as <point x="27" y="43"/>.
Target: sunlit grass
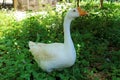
<point x="96" y="38"/>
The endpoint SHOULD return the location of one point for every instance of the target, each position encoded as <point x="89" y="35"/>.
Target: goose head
<point x="75" y="12"/>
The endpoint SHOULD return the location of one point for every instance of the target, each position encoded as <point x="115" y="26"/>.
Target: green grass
<point x="96" y="38"/>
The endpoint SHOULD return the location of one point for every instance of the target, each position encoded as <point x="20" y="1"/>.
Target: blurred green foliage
<point x="96" y="38"/>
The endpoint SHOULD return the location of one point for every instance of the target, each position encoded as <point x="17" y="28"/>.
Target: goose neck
<point x="68" y="43"/>
<point x="67" y="35"/>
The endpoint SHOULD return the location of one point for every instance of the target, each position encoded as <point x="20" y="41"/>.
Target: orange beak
<point x="81" y="12"/>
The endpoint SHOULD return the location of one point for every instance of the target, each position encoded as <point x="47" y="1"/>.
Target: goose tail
<point x="33" y="47"/>
<point x="31" y="44"/>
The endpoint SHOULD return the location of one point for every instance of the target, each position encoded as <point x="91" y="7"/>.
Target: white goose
<point x="57" y="55"/>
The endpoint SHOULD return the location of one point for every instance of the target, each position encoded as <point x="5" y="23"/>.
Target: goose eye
<point x="74" y="10"/>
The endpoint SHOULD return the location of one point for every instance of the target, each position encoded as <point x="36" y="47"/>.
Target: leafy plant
<point x="96" y="38"/>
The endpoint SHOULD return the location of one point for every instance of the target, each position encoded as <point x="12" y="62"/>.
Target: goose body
<point x="56" y="56"/>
